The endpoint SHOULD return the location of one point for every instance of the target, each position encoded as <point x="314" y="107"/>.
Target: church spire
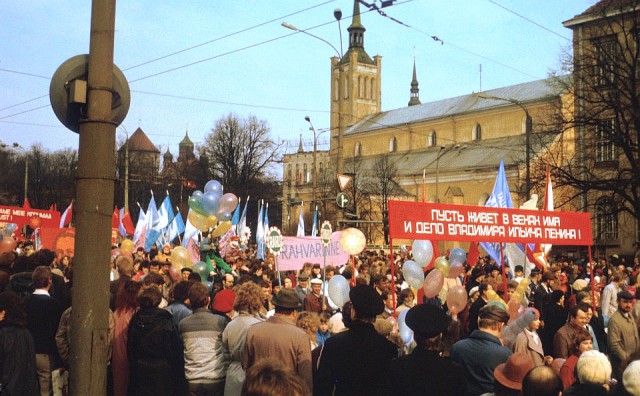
<point x="356" y="30"/>
<point x="300" y="148"/>
<point x="414" y="96"/>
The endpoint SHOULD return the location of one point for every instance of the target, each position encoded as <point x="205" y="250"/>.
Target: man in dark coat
<point x="425" y="372"/>
<point x="354" y="362"/>
<point x="483" y="288"/>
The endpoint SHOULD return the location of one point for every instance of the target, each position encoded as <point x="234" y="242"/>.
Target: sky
<point x="189" y="63"/>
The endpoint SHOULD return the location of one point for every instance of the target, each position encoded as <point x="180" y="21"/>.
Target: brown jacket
<point x="622" y="338"/>
<point x="279" y="338"/>
<point x="526" y="344"/>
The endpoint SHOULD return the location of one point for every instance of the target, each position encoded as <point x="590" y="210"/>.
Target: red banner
<point x="34" y="218"/>
<point x="60" y="240"/>
<point x="440" y="222"/>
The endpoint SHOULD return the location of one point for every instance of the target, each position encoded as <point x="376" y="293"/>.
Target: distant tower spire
<point x="356" y="30"/>
<point x="414" y="96"/>
<point x="300" y="148"/>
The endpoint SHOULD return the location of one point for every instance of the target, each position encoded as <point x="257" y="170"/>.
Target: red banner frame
<point x="442" y="222"/>
<point x="26" y="215"/>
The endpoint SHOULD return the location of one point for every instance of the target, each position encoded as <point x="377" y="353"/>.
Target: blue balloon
<point x="210" y="202"/>
<point x="197" y="194"/>
<point x="413" y="274"/>
<point x="422" y="252"/>
<point x="209" y="285"/>
<point x="457" y="254"/>
<point x="213" y="186"/>
<point x="405" y="332"/>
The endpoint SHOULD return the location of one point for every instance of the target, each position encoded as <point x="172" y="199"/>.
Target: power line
<point x="529" y="20"/>
<point x="21" y="103"/>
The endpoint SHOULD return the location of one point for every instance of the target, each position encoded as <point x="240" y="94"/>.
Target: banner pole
<point x="505" y="296"/>
<point x="393" y="278"/>
<point x="593" y="285"/>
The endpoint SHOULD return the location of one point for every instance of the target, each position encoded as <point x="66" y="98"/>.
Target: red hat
<point x="223" y="301"/>
<point x="512" y="372"/>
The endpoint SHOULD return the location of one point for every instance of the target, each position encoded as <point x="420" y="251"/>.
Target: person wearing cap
<point x="622" y="335"/>
<point x="477" y="305"/>
<point x="475" y="279"/>
<point x="315" y="301"/>
<point x="534" y="279"/>
<point x="518" y="273"/>
<point x="543" y="292"/>
<point x="302" y="288"/>
<point x="205" y="365"/>
<point x="185" y="272"/>
<point x="354" y="362"/>
<point x="425" y="372"/>
<point x="529" y="342"/>
<point x="594" y="373"/>
<point x="509" y="375"/>
<point x="479" y="354"/>
<point x="278" y="337"/>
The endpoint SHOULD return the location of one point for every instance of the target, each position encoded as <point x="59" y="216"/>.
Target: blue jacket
<point x="478" y="355"/>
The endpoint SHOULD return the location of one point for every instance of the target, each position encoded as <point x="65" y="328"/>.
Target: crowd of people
<point x="246" y="329"/>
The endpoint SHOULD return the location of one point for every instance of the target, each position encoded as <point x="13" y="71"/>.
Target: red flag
<point x="66" y="217"/>
<point x="194" y="250"/>
<point x="127" y="223"/>
<point x="26" y="203"/>
<point x="472" y="256"/>
<point x="436" y="254"/>
<point x="115" y="218"/>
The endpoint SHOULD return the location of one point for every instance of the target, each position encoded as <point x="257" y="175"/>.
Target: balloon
<point x="210" y="202"/>
<point x="7" y="244"/>
<point x="456" y="299"/>
<point x="198" y="220"/>
<point x="213" y="186"/>
<point x="212" y="221"/>
<point x="433" y="283"/>
<point x="339" y="290"/>
<point x="195" y="204"/>
<point x="197" y="194"/>
<point x="513" y="309"/>
<point x="225" y="216"/>
<point x="174" y="274"/>
<point x="405" y="332"/>
<point x="127" y="246"/>
<point x="510" y="332"/>
<point x="228" y="203"/>
<point x="442" y="264"/>
<point x="180" y="257"/>
<point x="413" y="274"/>
<point x="10" y="228"/>
<point x="456" y="269"/>
<point x="422" y="252"/>
<point x="457" y="254"/>
<point x="208" y="284"/>
<point x="352" y="241"/>
<point x="223" y="227"/>
<point x="201" y="268"/>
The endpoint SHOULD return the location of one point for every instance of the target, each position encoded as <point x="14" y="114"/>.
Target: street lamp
<point x="527" y="139"/>
<point x="26" y="168"/>
<point x="315" y="157"/>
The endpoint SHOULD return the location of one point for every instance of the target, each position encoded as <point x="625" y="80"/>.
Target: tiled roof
<point x="139" y="142"/>
<point x="603" y="5"/>
<point x="523" y="93"/>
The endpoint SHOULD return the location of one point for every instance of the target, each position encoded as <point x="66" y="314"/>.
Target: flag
<point x="115" y="218"/>
<point x="125" y="227"/>
<point x="236" y="216"/>
<point x="192" y="247"/>
<point x="314" y="229"/>
<point x="190" y="232"/>
<point x="164" y="217"/>
<point x="140" y="230"/>
<point x="260" y="231"/>
<point x="500" y="198"/>
<point x="176" y="227"/>
<point x="300" y="232"/>
<point x="242" y="224"/>
<point x="151" y="215"/>
<point x="474" y="253"/>
<point x="266" y="219"/>
<point x="66" y="217"/>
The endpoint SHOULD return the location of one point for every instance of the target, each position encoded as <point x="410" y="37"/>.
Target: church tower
<point x="414" y="96"/>
<point x="355" y="86"/>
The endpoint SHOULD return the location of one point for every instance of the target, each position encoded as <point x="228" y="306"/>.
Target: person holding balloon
<point x="424" y="371"/>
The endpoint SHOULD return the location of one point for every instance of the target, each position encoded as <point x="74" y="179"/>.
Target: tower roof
<point x="186" y="141"/>
<point x="168" y="155"/>
<point x="356" y="38"/>
<point x="139" y="142"/>
<point x="414" y="96"/>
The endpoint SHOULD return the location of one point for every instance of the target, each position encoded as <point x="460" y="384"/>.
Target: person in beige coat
<point x="622" y="335"/>
<point x="530" y="343"/>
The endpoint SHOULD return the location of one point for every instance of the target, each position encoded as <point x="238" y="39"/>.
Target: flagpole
<point x="423" y="183"/>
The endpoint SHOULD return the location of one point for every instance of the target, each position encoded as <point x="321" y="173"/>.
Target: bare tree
<point x="604" y="166"/>
<point x="238" y="152"/>
<point x="382" y="185"/>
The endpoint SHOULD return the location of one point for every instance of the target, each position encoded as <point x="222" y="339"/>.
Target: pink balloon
<point x="433" y="283"/>
<point x="7" y="244"/>
<point x="456" y="299"/>
<point x="513" y="309"/>
<point x="456" y="269"/>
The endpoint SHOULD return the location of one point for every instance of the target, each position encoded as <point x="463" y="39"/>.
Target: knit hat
<point x="631" y="378"/>
<point x="579" y="284"/>
<point x="593" y="367"/>
<point x="512" y="372"/>
<point x="223" y="301"/>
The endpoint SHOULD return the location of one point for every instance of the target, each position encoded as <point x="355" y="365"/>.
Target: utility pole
<point x="94" y="200"/>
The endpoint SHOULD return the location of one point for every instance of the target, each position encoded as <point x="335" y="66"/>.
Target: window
<point x="298" y="175"/>
<point x="605" y="148"/>
<point x="368" y="88"/>
<point x="357" y="150"/>
<point x="606" y="219"/>
<point x="393" y="145"/>
<point x="476" y="133"/>
<point x="306" y="174"/>
<point x="606" y="60"/>
<point x="289" y="172"/>
<point x="431" y="140"/>
<point x="336" y="89"/>
<point x="360" y="87"/>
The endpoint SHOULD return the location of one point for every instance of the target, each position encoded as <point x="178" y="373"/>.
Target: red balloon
<point x="433" y="283"/>
<point x="7" y="244"/>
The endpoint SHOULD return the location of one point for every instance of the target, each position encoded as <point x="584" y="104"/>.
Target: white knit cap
<point x="631" y="378"/>
<point x="593" y="367"/>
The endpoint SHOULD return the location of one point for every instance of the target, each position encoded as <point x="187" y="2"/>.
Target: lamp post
<point x="315" y="158"/>
<point x="527" y="138"/>
<point x="26" y="169"/>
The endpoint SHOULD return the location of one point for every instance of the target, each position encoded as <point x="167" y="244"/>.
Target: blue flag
<point x="260" y="233"/>
<point x="236" y="215"/>
<point x="300" y="232"/>
<point x="176" y="227"/>
<point x="500" y="198"/>
<point x="314" y="229"/>
<point x="266" y="220"/>
<point x="190" y="232"/>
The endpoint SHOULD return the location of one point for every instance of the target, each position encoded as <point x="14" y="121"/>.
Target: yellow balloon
<point x="212" y="221"/>
<point x="198" y="220"/>
<point x="223" y="227"/>
<point x="127" y="246"/>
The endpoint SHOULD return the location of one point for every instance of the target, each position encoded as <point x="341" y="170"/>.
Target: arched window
<point x="373" y="88"/>
<point x="306" y="174"/>
<point x="345" y="86"/>
<point x="336" y="90"/>
<point x="476" y="133"/>
<point x="298" y="175"/>
<point x="606" y="219"/>
<point x="360" y="87"/>
<point x="357" y="150"/>
<point x="320" y="166"/>
<point x="393" y="145"/>
<point x="368" y="88"/>
<point x="432" y="140"/>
